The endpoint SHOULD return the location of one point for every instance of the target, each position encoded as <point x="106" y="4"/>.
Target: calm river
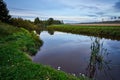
<point x="72" y="54"/>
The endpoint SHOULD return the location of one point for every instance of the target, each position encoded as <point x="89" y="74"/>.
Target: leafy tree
<point x="115" y="17"/>
<point x="4" y="12"/>
<point x="50" y="21"/>
<point x="57" y="22"/>
<point x="44" y="23"/>
<point x="37" y="20"/>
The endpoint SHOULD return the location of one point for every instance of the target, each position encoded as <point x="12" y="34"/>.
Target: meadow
<point x="112" y="32"/>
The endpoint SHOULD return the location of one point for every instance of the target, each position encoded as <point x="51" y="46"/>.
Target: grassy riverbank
<point x="15" y="63"/>
<point x="112" y="32"/>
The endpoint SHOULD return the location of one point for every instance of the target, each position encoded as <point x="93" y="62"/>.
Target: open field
<point x="112" y="32"/>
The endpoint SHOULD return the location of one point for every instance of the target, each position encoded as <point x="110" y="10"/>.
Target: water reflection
<point x="75" y="54"/>
<point x="51" y="32"/>
<point x="97" y="59"/>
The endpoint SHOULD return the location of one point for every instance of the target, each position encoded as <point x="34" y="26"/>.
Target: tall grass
<point x="6" y="29"/>
<point x="112" y="32"/>
<point x="97" y="60"/>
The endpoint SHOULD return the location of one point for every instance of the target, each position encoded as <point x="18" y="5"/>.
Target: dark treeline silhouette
<point x="105" y="22"/>
<point x="115" y="18"/>
<point x="112" y="20"/>
<point x="45" y="23"/>
<point x="36" y="25"/>
<point x="4" y="12"/>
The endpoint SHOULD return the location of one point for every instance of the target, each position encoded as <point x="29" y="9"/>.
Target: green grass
<point x="16" y="64"/>
<point x="112" y="32"/>
<point x="6" y="29"/>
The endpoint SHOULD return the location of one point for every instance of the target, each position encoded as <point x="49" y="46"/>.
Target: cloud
<point x="66" y="19"/>
<point x="25" y="13"/>
<point x="19" y="14"/>
<point x="92" y="15"/>
<point x="32" y="14"/>
<point x="19" y="9"/>
<point x="100" y="13"/>
<point x="67" y="10"/>
<point x="117" y="6"/>
<point x="88" y="7"/>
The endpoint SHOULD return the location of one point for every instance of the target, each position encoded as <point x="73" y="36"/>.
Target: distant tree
<point x="50" y="21"/>
<point x="111" y="18"/>
<point x="4" y="12"/>
<point x="44" y="23"/>
<point x="37" y="20"/>
<point x="57" y="22"/>
<point x="115" y="17"/>
<point x="119" y="18"/>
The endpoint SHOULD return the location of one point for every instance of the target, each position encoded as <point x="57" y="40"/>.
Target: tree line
<point x="44" y="23"/>
<point x="19" y="22"/>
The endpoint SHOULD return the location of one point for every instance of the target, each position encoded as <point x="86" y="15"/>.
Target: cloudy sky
<point x="70" y="11"/>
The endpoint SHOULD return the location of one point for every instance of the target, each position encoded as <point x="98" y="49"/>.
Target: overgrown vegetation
<point x="30" y="42"/>
<point x="27" y="24"/>
<point x="112" y="32"/>
<point x="15" y="64"/>
<point x="98" y="60"/>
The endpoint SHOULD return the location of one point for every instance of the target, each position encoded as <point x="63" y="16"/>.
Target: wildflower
<point x="59" y="68"/>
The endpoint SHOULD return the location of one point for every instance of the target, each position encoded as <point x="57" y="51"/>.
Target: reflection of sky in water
<point x="72" y="52"/>
<point x="114" y="49"/>
<point x="60" y="40"/>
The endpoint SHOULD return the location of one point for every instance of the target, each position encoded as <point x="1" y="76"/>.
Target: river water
<point x="72" y="53"/>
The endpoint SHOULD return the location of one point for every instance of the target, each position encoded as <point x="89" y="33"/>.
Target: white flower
<point x="59" y="68"/>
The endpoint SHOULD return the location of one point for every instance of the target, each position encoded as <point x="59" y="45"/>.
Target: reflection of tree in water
<point x="97" y="59"/>
<point x="51" y="32"/>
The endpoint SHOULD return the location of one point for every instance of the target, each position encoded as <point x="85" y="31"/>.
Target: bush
<point x="19" y="22"/>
